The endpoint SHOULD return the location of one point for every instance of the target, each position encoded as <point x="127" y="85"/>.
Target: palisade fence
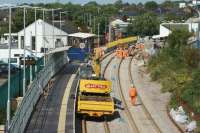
<point x="17" y="83"/>
<point x="54" y="64"/>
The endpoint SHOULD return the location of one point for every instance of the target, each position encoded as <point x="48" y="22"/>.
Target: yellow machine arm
<point x="122" y="41"/>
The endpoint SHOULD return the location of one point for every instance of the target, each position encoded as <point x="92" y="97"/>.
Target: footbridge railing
<point x="19" y="121"/>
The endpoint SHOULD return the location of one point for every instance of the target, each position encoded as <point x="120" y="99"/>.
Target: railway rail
<point x="126" y="108"/>
<point x="105" y="123"/>
<point x="147" y="113"/>
<point x="106" y="126"/>
<point x="84" y="126"/>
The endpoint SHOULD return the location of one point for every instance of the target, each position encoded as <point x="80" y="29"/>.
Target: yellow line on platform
<point x="63" y="109"/>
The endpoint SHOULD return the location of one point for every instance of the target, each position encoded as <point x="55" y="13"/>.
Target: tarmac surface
<point x="45" y="118"/>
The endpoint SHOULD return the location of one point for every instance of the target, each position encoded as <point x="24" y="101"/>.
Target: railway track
<point x="126" y="108"/>
<point x="84" y="126"/>
<point x="105" y="123"/>
<point x="147" y="113"/>
<point x="106" y="126"/>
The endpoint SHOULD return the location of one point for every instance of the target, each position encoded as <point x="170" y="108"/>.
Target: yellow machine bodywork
<point x="122" y="41"/>
<point x="95" y="86"/>
<point x="96" y="67"/>
<point x="98" y="53"/>
<point x="95" y="106"/>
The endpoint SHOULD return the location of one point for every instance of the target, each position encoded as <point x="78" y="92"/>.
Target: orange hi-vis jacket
<point x="132" y="92"/>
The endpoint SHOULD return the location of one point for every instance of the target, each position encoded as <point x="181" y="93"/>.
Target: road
<point x="49" y="109"/>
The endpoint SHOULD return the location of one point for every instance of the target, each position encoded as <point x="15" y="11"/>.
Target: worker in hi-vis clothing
<point x="133" y="94"/>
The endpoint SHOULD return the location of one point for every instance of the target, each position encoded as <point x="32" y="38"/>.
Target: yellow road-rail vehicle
<point x="94" y="98"/>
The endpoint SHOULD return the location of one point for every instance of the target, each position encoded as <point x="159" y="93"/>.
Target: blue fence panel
<point x="78" y="53"/>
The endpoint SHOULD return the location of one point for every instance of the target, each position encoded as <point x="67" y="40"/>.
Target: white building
<point x="117" y="29"/>
<point x="196" y="2"/>
<point x="182" y="5"/>
<point x="47" y="36"/>
<point x="167" y="28"/>
<point x="39" y="36"/>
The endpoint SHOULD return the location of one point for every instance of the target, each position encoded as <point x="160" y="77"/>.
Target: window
<point x="13" y="60"/>
<point x="33" y="43"/>
<point x="16" y="55"/>
<point x="22" y="42"/>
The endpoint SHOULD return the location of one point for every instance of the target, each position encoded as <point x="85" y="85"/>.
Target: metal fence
<point x="16" y="84"/>
<point x="55" y="63"/>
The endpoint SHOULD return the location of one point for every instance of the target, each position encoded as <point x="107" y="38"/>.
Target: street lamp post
<point x="54" y="46"/>
<point x="61" y="20"/>
<point x="36" y="38"/>
<point x="9" y="73"/>
<point x="43" y="31"/>
<point x="24" y="63"/>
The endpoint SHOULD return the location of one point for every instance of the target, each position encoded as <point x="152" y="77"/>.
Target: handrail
<point x="23" y="113"/>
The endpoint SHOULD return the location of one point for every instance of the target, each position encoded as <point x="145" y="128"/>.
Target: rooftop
<point x="82" y="35"/>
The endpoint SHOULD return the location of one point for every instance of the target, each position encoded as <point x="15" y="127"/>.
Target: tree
<point x="118" y="4"/>
<point x="168" y="4"/>
<point x="151" y="5"/>
<point x="178" y="38"/>
<point x="144" y="25"/>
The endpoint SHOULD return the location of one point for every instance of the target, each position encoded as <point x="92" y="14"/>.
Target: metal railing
<point x="20" y="119"/>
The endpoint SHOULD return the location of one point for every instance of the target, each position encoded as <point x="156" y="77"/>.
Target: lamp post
<point x="61" y="19"/>
<point x="24" y="63"/>
<point x="54" y="46"/>
<point x="36" y="38"/>
<point x="9" y="73"/>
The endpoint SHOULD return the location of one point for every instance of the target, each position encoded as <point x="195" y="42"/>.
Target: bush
<point x="191" y="92"/>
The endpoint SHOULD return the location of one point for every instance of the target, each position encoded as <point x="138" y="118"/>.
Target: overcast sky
<point x="73" y="1"/>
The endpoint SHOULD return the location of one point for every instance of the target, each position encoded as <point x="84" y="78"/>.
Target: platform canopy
<point x="82" y="35"/>
<point x="57" y="50"/>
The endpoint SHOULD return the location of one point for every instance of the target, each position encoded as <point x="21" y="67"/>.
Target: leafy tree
<point x="168" y="4"/>
<point x="178" y="38"/>
<point x="144" y="25"/>
<point x="151" y="5"/>
<point x="118" y="3"/>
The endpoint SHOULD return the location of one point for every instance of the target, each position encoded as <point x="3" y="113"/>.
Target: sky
<point x="73" y="1"/>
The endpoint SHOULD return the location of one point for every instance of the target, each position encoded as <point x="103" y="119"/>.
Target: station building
<point x="40" y="37"/>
